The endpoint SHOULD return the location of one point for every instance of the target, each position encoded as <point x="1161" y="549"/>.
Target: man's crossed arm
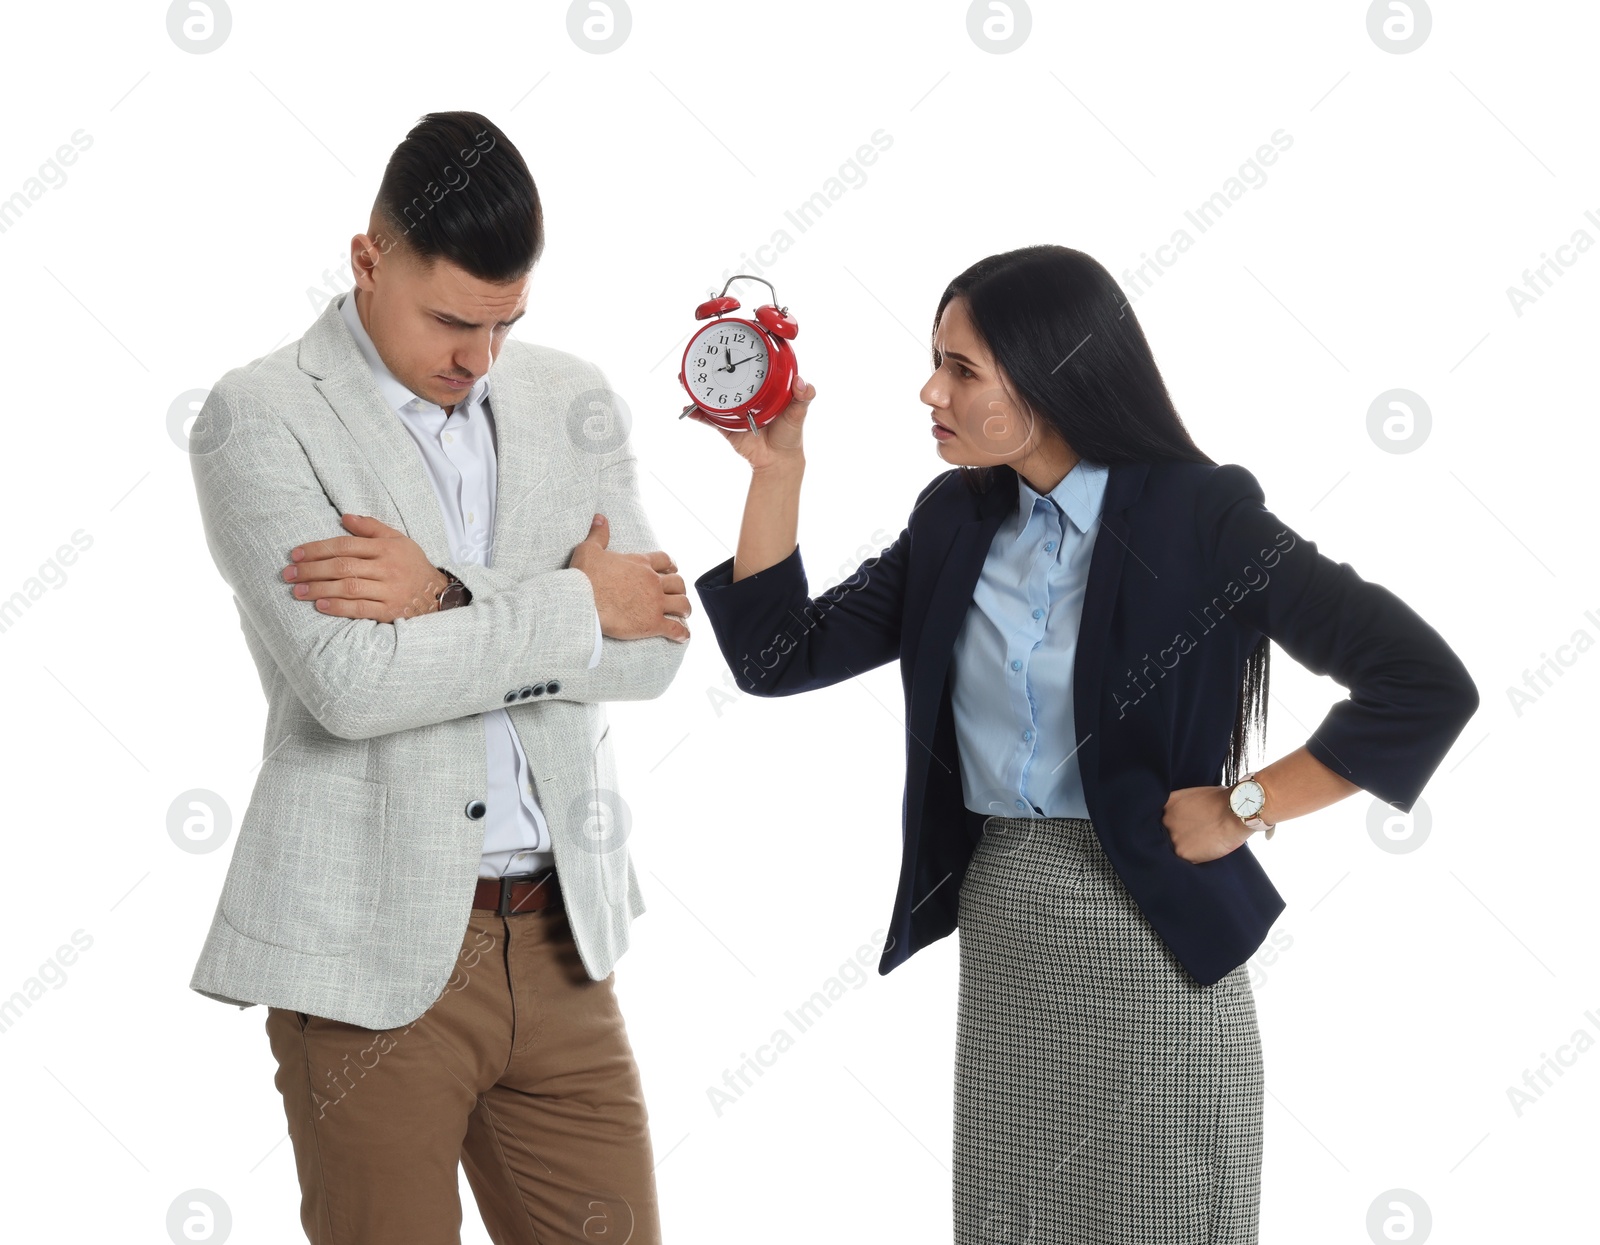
<point x="259" y="498"/>
<point x="380" y="573"/>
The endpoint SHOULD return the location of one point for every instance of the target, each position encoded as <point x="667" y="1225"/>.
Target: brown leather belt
<point x="519" y="892"/>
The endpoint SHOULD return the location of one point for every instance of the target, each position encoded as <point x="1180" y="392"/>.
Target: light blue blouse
<point x="1012" y="662"/>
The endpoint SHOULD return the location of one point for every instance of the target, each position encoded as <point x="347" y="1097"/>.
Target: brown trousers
<point x="521" y="1071"/>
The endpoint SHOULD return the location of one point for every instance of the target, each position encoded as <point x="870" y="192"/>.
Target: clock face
<point x="726" y="365"/>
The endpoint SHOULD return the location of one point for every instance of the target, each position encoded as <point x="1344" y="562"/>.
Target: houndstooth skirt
<point x="1101" y="1094"/>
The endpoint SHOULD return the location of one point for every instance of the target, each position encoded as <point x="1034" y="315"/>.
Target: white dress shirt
<point x="457" y="449"/>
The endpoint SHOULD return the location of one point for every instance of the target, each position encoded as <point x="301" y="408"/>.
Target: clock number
<point x="701" y="379"/>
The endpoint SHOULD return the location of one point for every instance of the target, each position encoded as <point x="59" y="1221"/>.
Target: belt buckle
<point x="503" y="909"/>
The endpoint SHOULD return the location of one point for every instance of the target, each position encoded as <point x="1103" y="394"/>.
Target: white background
<point x="194" y="235"/>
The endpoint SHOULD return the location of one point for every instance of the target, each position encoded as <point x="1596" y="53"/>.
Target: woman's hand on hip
<point x="1201" y="824"/>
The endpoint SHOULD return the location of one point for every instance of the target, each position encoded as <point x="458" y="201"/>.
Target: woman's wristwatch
<point x="454" y="592"/>
<point x="1247" y="798"/>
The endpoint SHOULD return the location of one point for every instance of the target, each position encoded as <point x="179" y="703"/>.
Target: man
<point x="443" y="571"/>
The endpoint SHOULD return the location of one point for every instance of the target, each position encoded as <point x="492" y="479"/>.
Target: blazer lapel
<point x="1123" y="486"/>
<point x="530" y="462"/>
<point x="329" y="354"/>
<point x="952" y="593"/>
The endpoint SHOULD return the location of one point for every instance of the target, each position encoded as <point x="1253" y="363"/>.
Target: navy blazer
<point x="1188" y="570"/>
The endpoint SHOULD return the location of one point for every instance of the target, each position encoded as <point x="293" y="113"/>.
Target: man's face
<point x="436" y="327"/>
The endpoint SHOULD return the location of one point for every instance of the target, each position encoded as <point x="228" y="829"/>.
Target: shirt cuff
<point x="598" y="635"/>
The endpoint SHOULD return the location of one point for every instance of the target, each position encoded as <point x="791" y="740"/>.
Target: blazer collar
<point x="330" y="355"/>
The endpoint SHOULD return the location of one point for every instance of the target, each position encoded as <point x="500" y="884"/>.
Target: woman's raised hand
<point x="777" y="444"/>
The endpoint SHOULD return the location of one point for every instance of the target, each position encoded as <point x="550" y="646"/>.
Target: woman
<point x="1083" y="623"/>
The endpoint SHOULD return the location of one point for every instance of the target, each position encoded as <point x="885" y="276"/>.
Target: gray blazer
<point x="352" y="876"/>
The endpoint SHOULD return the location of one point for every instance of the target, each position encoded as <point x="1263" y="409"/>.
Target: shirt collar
<point x="395" y="393"/>
<point x="1079" y="496"/>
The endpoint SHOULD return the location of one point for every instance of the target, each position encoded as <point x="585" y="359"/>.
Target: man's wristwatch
<point x="454" y="593"/>
<point x="1247" y="798"/>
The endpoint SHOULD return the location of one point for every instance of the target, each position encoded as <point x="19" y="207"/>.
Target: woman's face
<point x="976" y="422"/>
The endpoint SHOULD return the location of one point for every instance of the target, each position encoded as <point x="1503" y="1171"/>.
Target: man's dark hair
<point x="456" y="187"/>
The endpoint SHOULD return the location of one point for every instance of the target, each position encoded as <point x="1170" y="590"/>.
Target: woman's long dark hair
<point x="1062" y="332"/>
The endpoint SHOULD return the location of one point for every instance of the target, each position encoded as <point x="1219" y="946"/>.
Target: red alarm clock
<point x="740" y="373"/>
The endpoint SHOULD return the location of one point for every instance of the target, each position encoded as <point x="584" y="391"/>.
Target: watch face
<point x="1247" y="798"/>
<point x="726" y="365"/>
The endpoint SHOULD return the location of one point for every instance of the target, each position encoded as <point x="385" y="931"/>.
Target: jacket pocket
<point x="306" y="868"/>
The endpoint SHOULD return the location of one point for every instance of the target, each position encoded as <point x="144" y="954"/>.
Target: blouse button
<point x="1027" y="735"/>
<point x="1020" y="804"/>
<point x="1016" y="665"/>
<point x="1038" y="613"/>
<point x="1049" y="546"/>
